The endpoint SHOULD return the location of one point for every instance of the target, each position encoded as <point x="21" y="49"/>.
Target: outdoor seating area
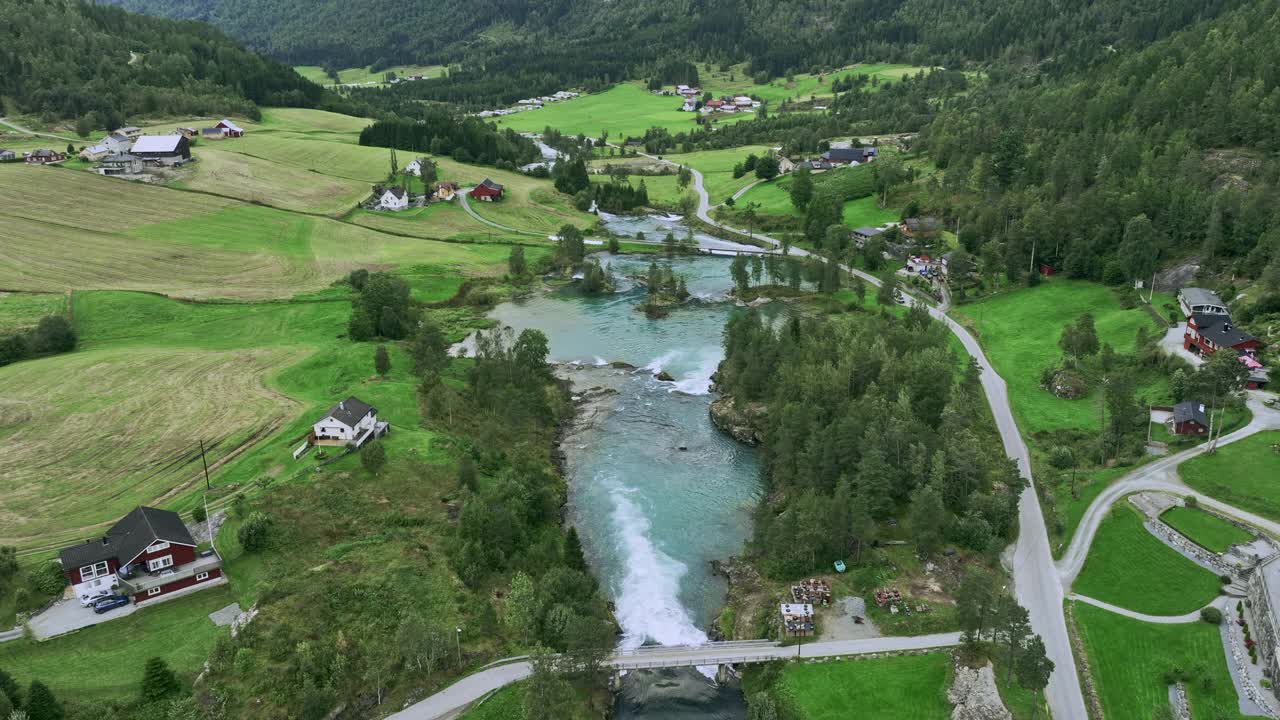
<point x="813" y="592"/>
<point x="797" y="619"/>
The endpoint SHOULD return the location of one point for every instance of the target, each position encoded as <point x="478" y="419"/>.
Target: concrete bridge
<point x="475" y="686"/>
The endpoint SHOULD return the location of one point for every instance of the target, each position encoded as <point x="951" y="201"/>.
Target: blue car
<point x="110" y="602"/>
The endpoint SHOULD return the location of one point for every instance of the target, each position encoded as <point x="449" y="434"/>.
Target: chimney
<point x="342" y="404"/>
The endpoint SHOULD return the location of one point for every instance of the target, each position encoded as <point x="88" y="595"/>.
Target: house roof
<point x="212" y="131"/>
<point x="867" y="231"/>
<point x="489" y="184"/>
<point x="129" y="129"/>
<point x="97" y="149"/>
<point x="447" y="185"/>
<point x="157" y="143"/>
<point x="924" y="223"/>
<point x="230" y="125"/>
<point x="1219" y="330"/>
<point x="128" y="538"/>
<point x="1200" y="296"/>
<point x="116" y="137"/>
<point x="351" y="411"/>
<point x="43" y="152"/>
<point x="397" y="191"/>
<point x="120" y="158"/>
<point x="1190" y="411"/>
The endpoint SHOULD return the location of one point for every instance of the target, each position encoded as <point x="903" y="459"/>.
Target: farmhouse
<point x="414" y="167"/>
<point x="1198" y="300"/>
<point x="130" y="132"/>
<point x="392" y="198"/>
<point x="187" y="132"/>
<point x="44" y="157"/>
<point x="230" y="129"/>
<point x="7" y="155"/>
<point x="690" y="104"/>
<point x="94" y="153"/>
<point x="351" y="421"/>
<point x="147" y="554"/>
<point x="488" y="191"/>
<point x="446" y="190"/>
<point x="849" y="156"/>
<point x="785" y="165"/>
<point x="120" y="164"/>
<point x="863" y="234"/>
<point x="163" y="149"/>
<point x="1188" y="418"/>
<point x="1208" y="333"/>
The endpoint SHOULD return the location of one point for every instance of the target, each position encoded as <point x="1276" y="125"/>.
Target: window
<point x="202" y="576"/>
<point x="158" y="546"/>
<point x="160" y="563"/>
<point x="153" y="591"/>
<point x="97" y="570"/>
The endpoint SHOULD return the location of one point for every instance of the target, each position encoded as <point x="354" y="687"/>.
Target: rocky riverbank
<point x="742" y="421"/>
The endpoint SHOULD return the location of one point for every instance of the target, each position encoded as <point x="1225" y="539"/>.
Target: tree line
<point x="467" y="140"/>
<point x="53" y="334"/>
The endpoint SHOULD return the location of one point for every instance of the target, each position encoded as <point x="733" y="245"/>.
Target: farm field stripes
<point x="625" y="110"/>
<point x="88" y="435"/>
<point x="19" y="311"/>
<point x="256" y="180"/>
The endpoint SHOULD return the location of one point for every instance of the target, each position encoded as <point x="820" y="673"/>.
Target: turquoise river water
<point x="656" y="492"/>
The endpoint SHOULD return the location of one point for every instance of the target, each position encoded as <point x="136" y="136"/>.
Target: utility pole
<point x="459" y="636"/>
<point x="207" y="484"/>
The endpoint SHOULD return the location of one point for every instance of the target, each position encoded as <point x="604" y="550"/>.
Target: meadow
<point x="1128" y="567"/>
<point x="625" y="110"/>
<point x="256" y="180"/>
<point x="1128" y="660"/>
<point x="911" y="687"/>
<point x="1207" y="531"/>
<point x="801" y="86"/>
<point x="21" y="311"/>
<point x="94" y="665"/>
<point x="716" y="167"/>
<point x="365" y="75"/>
<point x="1019" y="331"/>
<point x="1242" y="473"/>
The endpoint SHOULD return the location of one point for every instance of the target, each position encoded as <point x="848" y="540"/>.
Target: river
<point x="656" y="492"/>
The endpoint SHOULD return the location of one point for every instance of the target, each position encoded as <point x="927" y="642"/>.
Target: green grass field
<point x="912" y="687"/>
<point x="865" y="212"/>
<point x="716" y="167"/>
<point x="1128" y="567"/>
<point x="365" y="75"/>
<point x="95" y="664"/>
<point x="1019" y="331"/>
<point x="1245" y="473"/>
<point x="1128" y="659"/>
<point x="802" y="86"/>
<point x="256" y="180"/>
<point x="1207" y="531"/>
<point x="21" y="311"/>
<point x="625" y="110"/>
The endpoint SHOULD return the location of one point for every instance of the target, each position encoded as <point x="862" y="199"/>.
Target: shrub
<point x="255" y="532"/>
<point x="1224" y="579"/>
<point x="1211" y="615"/>
<point x="1191" y="501"/>
<point x="199" y="514"/>
<point x="48" y="579"/>
<point x="373" y="456"/>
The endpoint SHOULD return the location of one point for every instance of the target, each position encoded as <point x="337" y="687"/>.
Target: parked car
<point x="110" y="602"/>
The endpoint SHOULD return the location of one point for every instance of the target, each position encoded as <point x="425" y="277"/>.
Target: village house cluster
<point x="126" y="152"/>
<point x="395" y="198"/>
<point x="1209" y="329"/>
<point x="533" y="103"/>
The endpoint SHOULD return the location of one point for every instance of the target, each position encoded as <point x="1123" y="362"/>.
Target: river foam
<point x="648" y="601"/>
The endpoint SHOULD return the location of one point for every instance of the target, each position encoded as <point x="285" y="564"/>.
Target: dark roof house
<point x="1210" y="332"/>
<point x="849" y="155"/>
<point x="1188" y="418"/>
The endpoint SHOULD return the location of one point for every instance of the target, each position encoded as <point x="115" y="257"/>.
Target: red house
<point x="488" y="191"/>
<point x="1188" y="418"/>
<point x="44" y="157"/>
<point x="230" y="129"/>
<point x="1207" y="333"/>
<point x="147" y="554"/>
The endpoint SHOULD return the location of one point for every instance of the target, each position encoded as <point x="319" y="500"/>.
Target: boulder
<point x="742" y="423"/>
<point x="975" y="696"/>
<point x="664" y="376"/>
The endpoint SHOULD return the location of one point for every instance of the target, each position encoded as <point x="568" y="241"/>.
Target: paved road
<point x="21" y="129"/>
<point x="1162" y="475"/>
<point x="462" y="195"/>
<point x="476" y="686"/>
<point x="1193" y="616"/>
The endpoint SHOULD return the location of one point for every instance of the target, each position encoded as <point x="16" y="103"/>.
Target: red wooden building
<point x="1208" y="333"/>
<point x="487" y="191"/>
<point x="147" y="554"/>
<point x="1187" y="418"/>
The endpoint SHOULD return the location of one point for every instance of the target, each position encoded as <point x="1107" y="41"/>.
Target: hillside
<point x="816" y="33"/>
<point x="72" y="60"/>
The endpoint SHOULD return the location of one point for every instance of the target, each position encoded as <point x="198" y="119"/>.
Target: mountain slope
<point x="71" y="59"/>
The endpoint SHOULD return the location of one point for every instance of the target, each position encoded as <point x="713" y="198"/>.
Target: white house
<point x="414" y="167"/>
<point x="393" y="198"/>
<point x="689" y="105"/>
<point x="350" y="421"/>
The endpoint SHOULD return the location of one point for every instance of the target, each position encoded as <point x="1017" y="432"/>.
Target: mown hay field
<point x="253" y="179"/>
<point x="21" y="311"/>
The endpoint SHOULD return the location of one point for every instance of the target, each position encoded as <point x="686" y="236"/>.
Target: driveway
<point x="69" y="615"/>
<point x="1171" y="343"/>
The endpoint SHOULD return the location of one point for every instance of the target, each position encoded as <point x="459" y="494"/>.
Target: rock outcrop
<point x="975" y="696"/>
<point x="743" y="421"/>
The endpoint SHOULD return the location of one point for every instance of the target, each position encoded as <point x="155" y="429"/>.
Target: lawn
<point x="1245" y="473"/>
<point x="104" y="662"/>
<point x="802" y="86"/>
<point x="21" y="311"/>
<point x="865" y="212"/>
<point x="1128" y="567"/>
<point x="625" y="110"/>
<point x="1019" y="331"/>
<point x="133" y="236"/>
<point x="911" y="687"/>
<point x="1128" y="659"/>
<point x="1207" y="531"/>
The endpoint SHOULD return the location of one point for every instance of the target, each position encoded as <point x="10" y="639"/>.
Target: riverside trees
<point x="848" y="433"/>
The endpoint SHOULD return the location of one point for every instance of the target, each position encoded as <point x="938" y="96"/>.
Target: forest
<point x="467" y="140"/>
<point x="79" y="59"/>
<point x="851" y="440"/>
